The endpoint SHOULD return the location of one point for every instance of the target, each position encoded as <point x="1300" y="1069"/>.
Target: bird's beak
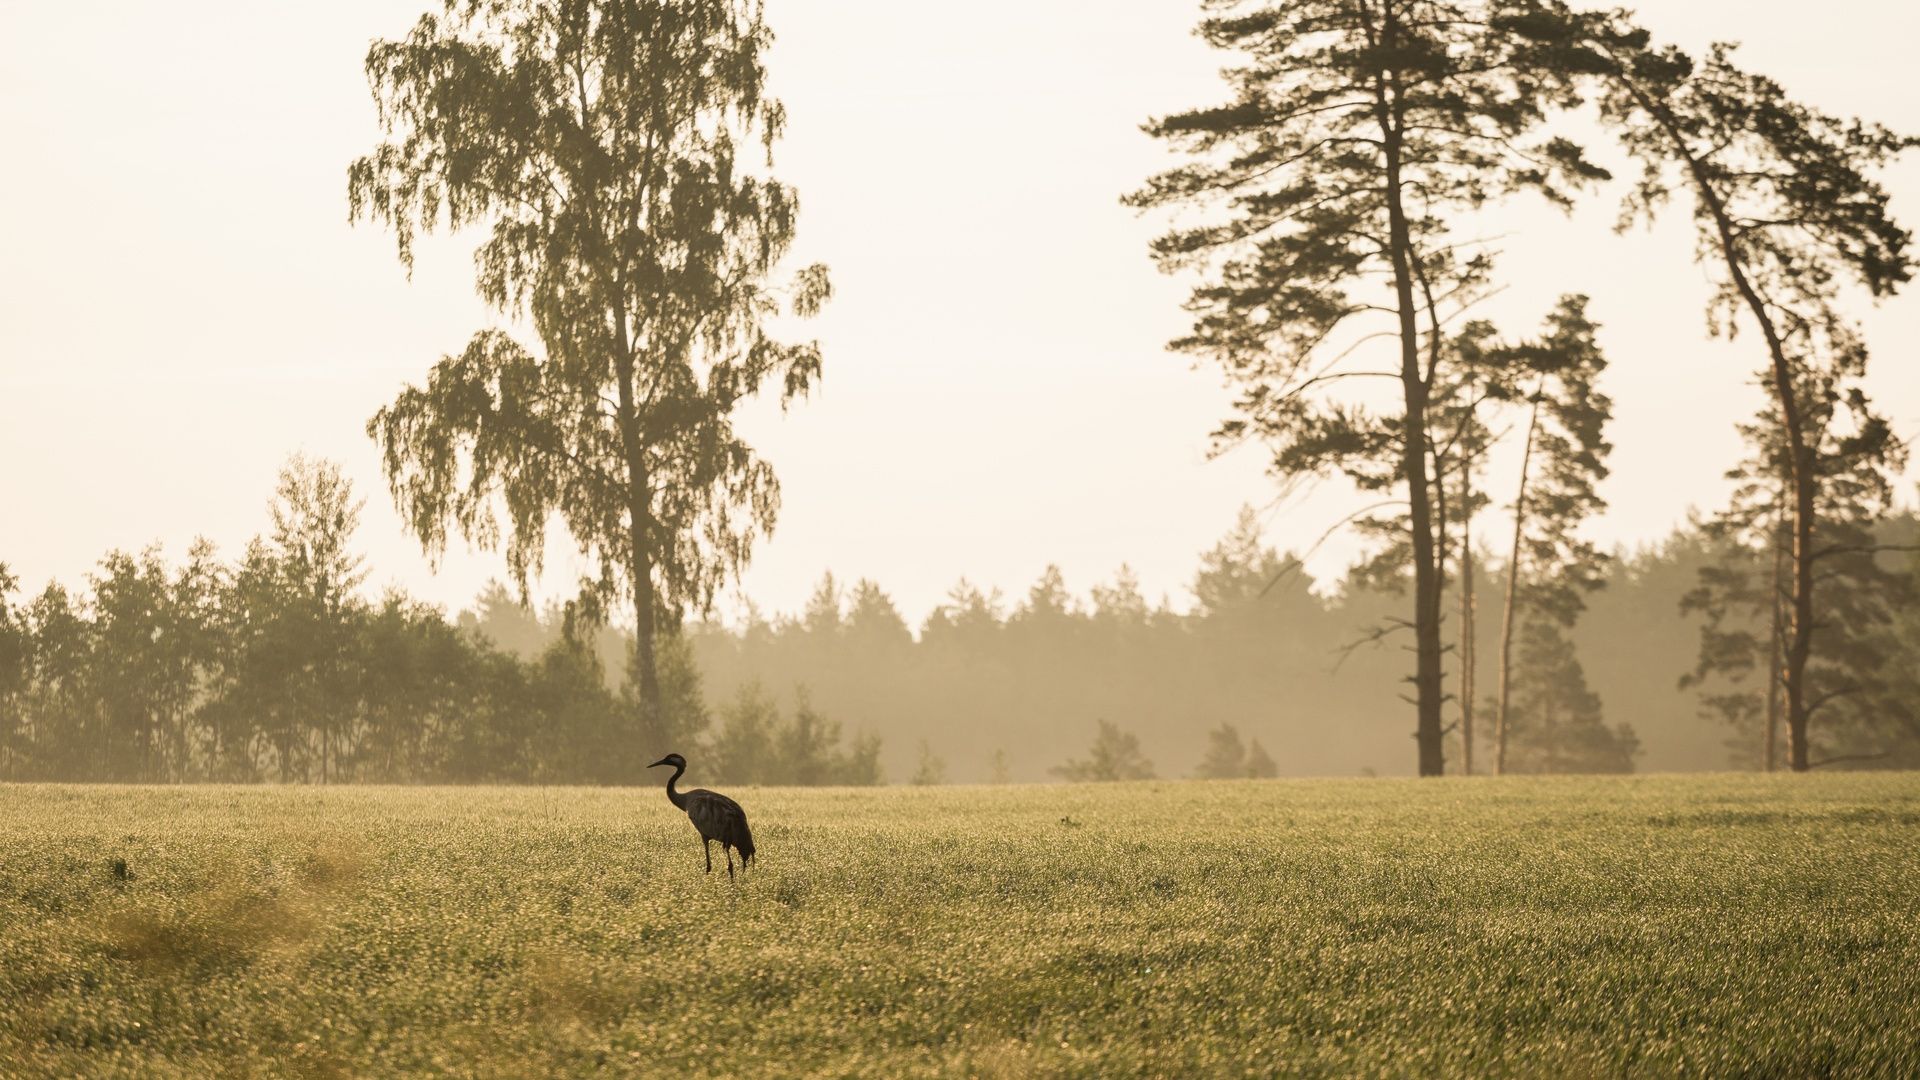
<point x="662" y="761"/>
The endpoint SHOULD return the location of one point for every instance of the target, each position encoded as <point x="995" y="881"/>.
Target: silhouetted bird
<point x="716" y="816"/>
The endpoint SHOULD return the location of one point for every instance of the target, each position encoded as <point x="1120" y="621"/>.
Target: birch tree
<point x="617" y="153"/>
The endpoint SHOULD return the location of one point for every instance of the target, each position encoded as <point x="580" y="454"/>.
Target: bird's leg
<point x="708" y="844"/>
<point x="728" y="852"/>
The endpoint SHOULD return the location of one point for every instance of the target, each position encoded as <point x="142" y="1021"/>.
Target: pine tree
<point x="1114" y="755"/>
<point x="1787" y="214"/>
<point x="932" y="769"/>
<point x="1226" y="757"/>
<point x="1555" y="723"/>
<point x="1864" y="590"/>
<point x="1260" y="766"/>
<point x="16" y="667"/>
<point x="1550" y="567"/>
<point x="1357" y="136"/>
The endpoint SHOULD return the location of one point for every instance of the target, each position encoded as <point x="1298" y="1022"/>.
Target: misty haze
<point x="1244" y="537"/>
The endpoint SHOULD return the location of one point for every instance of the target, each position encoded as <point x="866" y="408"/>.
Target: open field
<point x="1644" y="926"/>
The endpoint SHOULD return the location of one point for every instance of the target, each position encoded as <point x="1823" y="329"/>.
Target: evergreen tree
<point x="1478" y="380"/>
<point x="967" y="623"/>
<point x="1226" y="755"/>
<point x="1555" y="723"/>
<point x="874" y="625"/>
<point x="932" y="769"/>
<point x="753" y="746"/>
<point x="1228" y="758"/>
<point x="1890" y="724"/>
<point x="1114" y="755"/>
<point x="1864" y="589"/>
<point x="1357" y="136"/>
<point x="822" y="617"/>
<point x="62" y="730"/>
<point x="1259" y="765"/>
<point x="1120" y="605"/>
<point x="742" y="750"/>
<point x="1787" y="214"/>
<point x="1550" y="567"/>
<point x="16" y="667"/>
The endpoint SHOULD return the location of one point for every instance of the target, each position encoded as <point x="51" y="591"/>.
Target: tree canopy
<point x="1787" y="213"/>
<point x="1357" y="141"/>
<point x="617" y="153"/>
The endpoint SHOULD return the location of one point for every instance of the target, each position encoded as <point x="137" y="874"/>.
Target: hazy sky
<point x="183" y="303"/>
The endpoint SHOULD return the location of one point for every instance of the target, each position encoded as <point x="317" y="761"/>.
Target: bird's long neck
<point x="674" y="796"/>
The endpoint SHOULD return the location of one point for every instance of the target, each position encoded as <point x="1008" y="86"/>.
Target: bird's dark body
<point x="715" y="816"/>
<point x="719" y="818"/>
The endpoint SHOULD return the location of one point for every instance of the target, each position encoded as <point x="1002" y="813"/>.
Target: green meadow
<point x="1649" y="926"/>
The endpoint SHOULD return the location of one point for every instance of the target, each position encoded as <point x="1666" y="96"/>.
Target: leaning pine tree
<point x="1357" y="134"/>
<point x="1787" y="213"/>
<point x="616" y="151"/>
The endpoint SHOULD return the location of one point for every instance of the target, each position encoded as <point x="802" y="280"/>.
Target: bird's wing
<point x="717" y="816"/>
<point x="714" y="798"/>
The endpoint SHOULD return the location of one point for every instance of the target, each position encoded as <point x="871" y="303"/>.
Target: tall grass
<point x="1638" y="926"/>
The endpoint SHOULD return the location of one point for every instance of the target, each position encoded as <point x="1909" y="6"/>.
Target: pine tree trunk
<point x="1426" y="576"/>
<point x="1771" y="752"/>
<point x="1801" y="482"/>
<point x="1550" y="732"/>
<point x="1799" y="635"/>
<point x="1513" y="595"/>
<point x="1468" y="657"/>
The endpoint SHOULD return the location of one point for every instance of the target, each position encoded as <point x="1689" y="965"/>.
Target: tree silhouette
<point x="16" y="670"/>
<point x="932" y="769"/>
<point x="607" y="146"/>
<point x="1114" y="755"/>
<point x="1357" y="137"/>
<point x="1550" y="567"/>
<point x="1863" y="589"/>
<point x="1786" y="212"/>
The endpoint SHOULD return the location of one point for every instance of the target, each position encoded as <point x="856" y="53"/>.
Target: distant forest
<point x="274" y="667"/>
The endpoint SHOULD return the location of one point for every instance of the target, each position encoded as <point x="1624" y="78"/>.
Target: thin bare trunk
<point x="1800" y="453"/>
<point x="1513" y="596"/>
<point x="1467" y="656"/>
<point x="1774" y="642"/>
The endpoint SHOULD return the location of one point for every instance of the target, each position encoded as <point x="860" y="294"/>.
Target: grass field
<point x="1651" y="926"/>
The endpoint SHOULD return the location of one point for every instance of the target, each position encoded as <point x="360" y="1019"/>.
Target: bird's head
<point x="674" y="760"/>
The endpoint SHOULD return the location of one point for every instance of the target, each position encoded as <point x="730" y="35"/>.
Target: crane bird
<point x="716" y="816"/>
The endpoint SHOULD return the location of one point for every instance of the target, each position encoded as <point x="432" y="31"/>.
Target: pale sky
<point x="183" y="303"/>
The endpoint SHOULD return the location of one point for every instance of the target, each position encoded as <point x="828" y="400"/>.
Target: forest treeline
<point x="994" y="687"/>
<point x="276" y="667"/>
